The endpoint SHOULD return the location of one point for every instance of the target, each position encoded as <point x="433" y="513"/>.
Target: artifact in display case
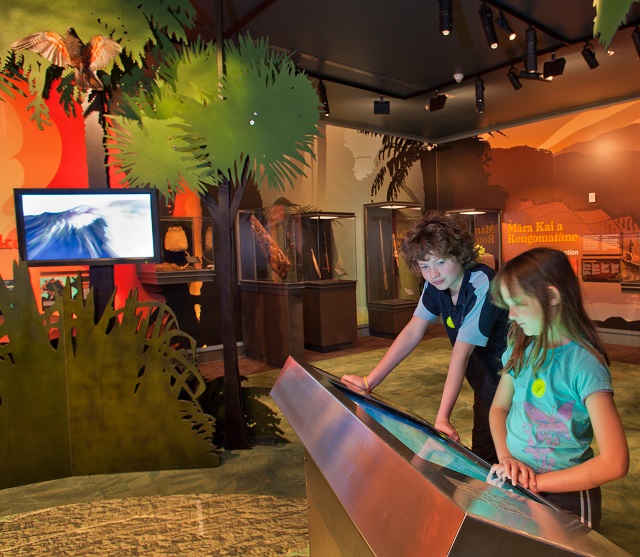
<point x="329" y="272"/>
<point x="393" y="290"/>
<point x="186" y="276"/>
<point x="186" y="249"/>
<point x="328" y="246"/>
<point x="269" y="244"/>
<point x="184" y="244"/>
<point x="486" y="226"/>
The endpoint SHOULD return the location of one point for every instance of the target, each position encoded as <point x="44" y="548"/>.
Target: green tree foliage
<point x="197" y="128"/>
<point x="610" y="14"/>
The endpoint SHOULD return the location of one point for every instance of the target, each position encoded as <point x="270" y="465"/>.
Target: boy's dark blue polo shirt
<point x="474" y="320"/>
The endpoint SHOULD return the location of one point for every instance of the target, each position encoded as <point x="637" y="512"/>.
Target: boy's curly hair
<point x="444" y="235"/>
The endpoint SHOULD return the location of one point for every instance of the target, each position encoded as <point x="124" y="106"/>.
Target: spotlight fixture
<point x="446" y="22"/>
<point x="437" y="102"/>
<point x="381" y="106"/>
<point x="324" y="100"/>
<point x="486" y="16"/>
<point x="503" y="23"/>
<point x="589" y="55"/>
<point x="531" y="58"/>
<point x="514" y="79"/>
<point x="479" y="95"/>
<point x="533" y="76"/>
<point x="553" y="67"/>
<point x="636" y="39"/>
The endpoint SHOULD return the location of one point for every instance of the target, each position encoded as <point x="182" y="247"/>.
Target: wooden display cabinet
<point x="270" y="281"/>
<point x="330" y="280"/>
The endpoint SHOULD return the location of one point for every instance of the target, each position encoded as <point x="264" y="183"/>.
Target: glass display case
<point x="270" y="273"/>
<point x="187" y="241"/>
<point x="186" y="277"/>
<point x="328" y="246"/>
<point x="329" y="273"/>
<point x="393" y="290"/>
<point x="486" y="226"/>
<point x="269" y="241"/>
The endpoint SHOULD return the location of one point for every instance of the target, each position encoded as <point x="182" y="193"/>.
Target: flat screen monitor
<point x="60" y="226"/>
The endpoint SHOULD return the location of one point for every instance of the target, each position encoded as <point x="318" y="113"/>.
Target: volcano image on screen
<point x="56" y="228"/>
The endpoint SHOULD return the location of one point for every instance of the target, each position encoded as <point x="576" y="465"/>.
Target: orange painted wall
<point x="572" y="183"/>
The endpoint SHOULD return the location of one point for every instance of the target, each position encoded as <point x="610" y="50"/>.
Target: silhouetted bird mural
<point x="70" y="51"/>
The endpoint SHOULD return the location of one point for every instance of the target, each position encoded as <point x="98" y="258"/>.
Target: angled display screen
<point x="58" y="227"/>
<point x="428" y="444"/>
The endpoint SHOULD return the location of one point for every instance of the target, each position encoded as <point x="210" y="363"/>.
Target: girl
<point x="555" y="392"/>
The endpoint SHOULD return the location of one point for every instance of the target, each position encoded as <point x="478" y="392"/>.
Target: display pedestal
<point x="330" y="321"/>
<point x="387" y="318"/>
<point x="272" y="320"/>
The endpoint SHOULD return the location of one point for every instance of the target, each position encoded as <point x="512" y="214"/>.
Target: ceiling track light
<point x="381" y="106"/>
<point x="531" y="57"/>
<point x="553" y="67"/>
<point x="437" y="102"/>
<point x="503" y="23"/>
<point x="324" y="100"/>
<point x="589" y="55"/>
<point x="486" y="16"/>
<point x="533" y="76"/>
<point x="636" y="39"/>
<point x="479" y="95"/>
<point x="446" y="17"/>
<point x="512" y="74"/>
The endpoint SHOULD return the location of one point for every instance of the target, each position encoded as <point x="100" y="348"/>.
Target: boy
<point x="442" y="249"/>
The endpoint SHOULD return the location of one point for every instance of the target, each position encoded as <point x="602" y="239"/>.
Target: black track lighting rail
<point x="532" y="22"/>
<point x="452" y="83"/>
<point x="563" y="42"/>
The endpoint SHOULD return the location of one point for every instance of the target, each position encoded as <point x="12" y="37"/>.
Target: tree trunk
<point x="101" y="278"/>
<point x="236" y="434"/>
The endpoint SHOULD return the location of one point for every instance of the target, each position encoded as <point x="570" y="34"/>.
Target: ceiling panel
<point x="365" y="49"/>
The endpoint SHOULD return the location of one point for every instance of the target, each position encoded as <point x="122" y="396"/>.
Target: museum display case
<point x="186" y="277"/>
<point x="486" y="226"/>
<point x="270" y="275"/>
<point x="269" y="243"/>
<point x="330" y="278"/>
<point x="393" y="290"/>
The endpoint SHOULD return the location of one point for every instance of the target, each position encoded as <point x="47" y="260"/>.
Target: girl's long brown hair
<point x="534" y="271"/>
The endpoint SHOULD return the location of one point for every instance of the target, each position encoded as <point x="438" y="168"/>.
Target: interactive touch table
<point x="382" y="481"/>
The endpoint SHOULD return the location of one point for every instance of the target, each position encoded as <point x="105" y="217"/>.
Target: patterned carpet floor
<point x="184" y="525"/>
<point x="254" y="503"/>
